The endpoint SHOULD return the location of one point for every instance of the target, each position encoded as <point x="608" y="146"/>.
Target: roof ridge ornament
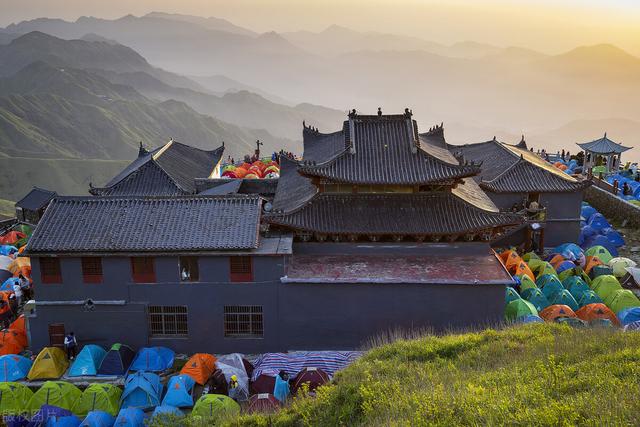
<point x="379" y="112"/>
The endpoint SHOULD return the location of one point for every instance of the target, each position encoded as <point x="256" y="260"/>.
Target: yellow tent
<point x="51" y="363"/>
<point x="18" y="264"/>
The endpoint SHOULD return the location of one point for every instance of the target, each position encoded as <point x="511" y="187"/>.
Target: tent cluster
<point x="206" y="386"/>
<point x="569" y="167"/>
<point x="595" y="230"/>
<point x="626" y="177"/>
<point x="256" y="170"/>
<point x="571" y="285"/>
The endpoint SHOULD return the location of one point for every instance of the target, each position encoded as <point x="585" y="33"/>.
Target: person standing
<point x="17" y="291"/>
<point x="71" y="344"/>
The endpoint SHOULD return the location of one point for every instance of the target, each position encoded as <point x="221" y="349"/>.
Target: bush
<point x="537" y="374"/>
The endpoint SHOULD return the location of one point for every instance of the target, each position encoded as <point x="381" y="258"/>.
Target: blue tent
<point x="629" y="315"/>
<point x="587" y="212"/>
<point x="586" y="233"/>
<point x="117" y="360"/>
<point x="564" y="298"/>
<point x="601" y="240"/>
<point x="530" y="318"/>
<point x="569" y="251"/>
<point x="153" y="359"/>
<point x="598" y="222"/>
<point x="166" y="410"/>
<point x="68" y="421"/>
<point x="88" y="361"/>
<point x="179" y="392"/>
<point x="589" y="297"/>
<point x="14" y="367"/>
<point x="536" y="297"/>
<point x="576" y="286"/>
<point x="7" y="250"/>
<point x="15" y="421"/>
<point x="141" y="390"/>
<point x="130" y="417"/>
<point x="565" y="265"/>
<point x="8" y="284"/>
<point x="613" y="237"/>
<point x="98" y="419"/>
<point x="47" y="413"/>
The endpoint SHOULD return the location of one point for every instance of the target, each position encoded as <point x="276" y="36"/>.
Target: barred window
<point x="92" y="269"/>
<point x="241" y="269"/>
<point x="243" y="321"/>
<point x="167" y="320"/>
<point x="50" y="270"/>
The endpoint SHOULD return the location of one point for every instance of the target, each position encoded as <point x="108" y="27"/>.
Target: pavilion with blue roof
<point x="608" y="151"/>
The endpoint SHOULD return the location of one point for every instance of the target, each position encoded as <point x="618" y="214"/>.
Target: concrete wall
<point x="295" y="316"/>
<point x="613" y="207"/>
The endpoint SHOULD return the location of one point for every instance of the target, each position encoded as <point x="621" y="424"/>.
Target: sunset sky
<point x="547" y="25"/>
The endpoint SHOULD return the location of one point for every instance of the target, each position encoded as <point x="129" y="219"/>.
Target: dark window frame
<point x="92" y="269"/>
<point x="143" y="270"/>
<point x="243" y="321"/>
<point x="240" y="269"/>
<point x="50" y="270"/>
<point x="168" y="321"/>
<point x="193" y="264"/>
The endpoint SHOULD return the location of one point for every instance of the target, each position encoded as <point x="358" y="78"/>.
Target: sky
<point x="550" y="26"/>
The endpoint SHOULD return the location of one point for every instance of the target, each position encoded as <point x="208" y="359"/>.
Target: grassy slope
<point x="7" y="208"/>
<point x="67" y="176"/>
<point x="530" y="375"/>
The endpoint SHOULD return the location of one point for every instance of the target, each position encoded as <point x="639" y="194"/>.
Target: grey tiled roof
<point x="230" y="187"/>
<point x="36" y="199"/>
<point x="263" y="187"/>
<point x="147" y="224"/>
<point x="514" y="169"/>
<point x="168" y="170"/>
<point x="294" y="190"/>
<point x="391" y="214"/>
<point x="604" y="146"/>
<point x="320" y="147"/>
<point x="385" y="150"/>
<point x="524" y="177"/>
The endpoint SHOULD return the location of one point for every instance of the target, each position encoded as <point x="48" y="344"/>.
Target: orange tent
<point x="18" y="326"/>
<point x="19" y="264"/>
<point x="4" y="295"/>
<point x="10" y="343"/>
<point x="11" y="237"/>
<point x="556" y="311"/>
<point x="245" y="166"/>
<point x="240" y="172"/>
<point x="200" y="367"/>
<point x="557" y="259"/>
<point x="522" y="269"/>
<point x="597" y="311"/>
<point x="590" y="262"/>
<point x="504" y="256"/>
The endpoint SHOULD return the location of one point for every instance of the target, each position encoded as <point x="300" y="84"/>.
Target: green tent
<point x="536" y="297"/>
<point x="605" y="285"/>
<point x="98" y="397"/>
<point x="543" y="280"/>
<point x="14" y="398"/>
<point x="564" y="298"/>
<point x="621" y="299"/>
<point x="545" y="269"/>
<point x="56" y="393"/>
<point x="575" y="271"/>
<point x="215" y="406"/>
<point x="527" y="283"/>
<point x="601" y="270"/>
<point x="518" y="308"/>
<point x="599" y="251"/>
<point x="511" y="294"/>
<point x="589" y="297"/>
<point x="529" y="256"/>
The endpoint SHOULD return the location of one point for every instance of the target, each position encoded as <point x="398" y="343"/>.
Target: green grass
<point x="7" y="208"/>
<point x="527" y="375"/>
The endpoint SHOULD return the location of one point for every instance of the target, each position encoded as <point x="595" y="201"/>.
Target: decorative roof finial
<point x="304" y="124"/>
<point x="379" y="111"/>
<point x="223" y="144"/>
<point x="605" y="134"/>
<point x="494" y="138"/>
<point x="353" y="114"/>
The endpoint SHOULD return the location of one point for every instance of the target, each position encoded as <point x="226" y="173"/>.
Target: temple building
<point x="514" y="177"/>
<point x="380" y="228"/>
<point x="169" y="170"/>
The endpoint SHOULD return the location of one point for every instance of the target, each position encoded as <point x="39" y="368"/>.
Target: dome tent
<point x="141" y="390"/>
<point x="592" y="312"/>
<point x="564" y="298"/>
<point x="51" y="363"/>
<point x="605" y="285"/>
<point x="179" y="392"/>
<point x="510" y="295"/>
<point x="14" y="398"/>
<point x="619" y="266"/>
<point x="130" y="417"/>
<point x="102" y="397"/>
<point x="14" y="367"/>
<point x="153" y="359"/>
<point x="117" y="360"/>
<point x="98" y="419"/>
<point x="200" y="367"/>
<point x="589" y="297"/>
<point x="88" y="361"/>
<point x="554" y="312"/>
<point x="622" y="299"/>
<point x="519" y="308"/>
<point x="629" y="315"/>
<point x="215" y="406"/>
<point x="536" y="297"/>
<point x="57" y="393"/>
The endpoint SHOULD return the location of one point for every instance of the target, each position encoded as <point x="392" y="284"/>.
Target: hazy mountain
<point x="211" y="23"/>
<point x="73" y="113"/>
<point x="336" y="40"/>
<point x="242" y="108"/>
<point x="37" y="46"/>
<point x="222" y="84"/>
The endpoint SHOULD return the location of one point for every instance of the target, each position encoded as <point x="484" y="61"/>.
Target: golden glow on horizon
<point x="551" y="26"/>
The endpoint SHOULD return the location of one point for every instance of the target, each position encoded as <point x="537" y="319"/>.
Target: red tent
<point x="11" y="237"/>
<point x="264" y="403"/>
<point x="263" y="384"/>
<point x="312" y="376"/>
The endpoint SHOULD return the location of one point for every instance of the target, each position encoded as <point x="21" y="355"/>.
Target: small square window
<point x="92" y="269"/>
<point x="50" y="270"/>
<point x="241" y="269"/>
<point x="189" y="269"/>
